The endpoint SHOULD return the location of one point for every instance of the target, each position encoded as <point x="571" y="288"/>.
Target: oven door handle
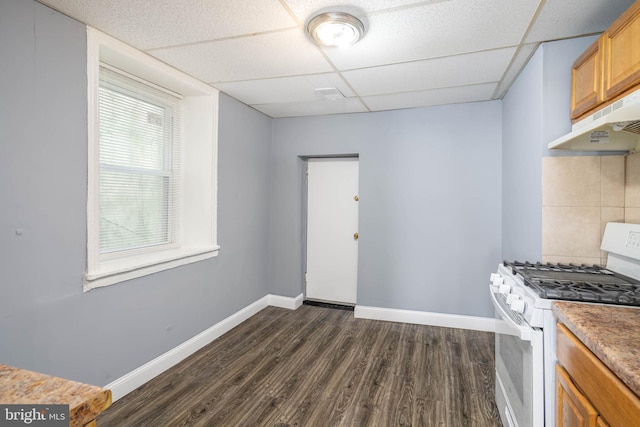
<point x="508" y="323"/>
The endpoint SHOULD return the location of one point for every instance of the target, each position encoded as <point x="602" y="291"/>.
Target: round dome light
<point x="335" y="29"/>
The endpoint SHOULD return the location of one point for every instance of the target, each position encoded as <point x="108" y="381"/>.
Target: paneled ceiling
<point x="414" y="53"/>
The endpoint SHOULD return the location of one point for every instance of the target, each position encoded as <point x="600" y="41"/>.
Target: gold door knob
<point x="356" y="198"/>
<point x="355" y="236"/>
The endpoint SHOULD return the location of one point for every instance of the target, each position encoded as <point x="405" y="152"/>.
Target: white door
<point x="332" y="227"/>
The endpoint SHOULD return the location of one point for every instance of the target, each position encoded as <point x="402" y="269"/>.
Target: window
<point x="139" y="155"/>
<point x="152" y="165"/>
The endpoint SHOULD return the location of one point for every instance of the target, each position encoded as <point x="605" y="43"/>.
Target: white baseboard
<point x="285" y="302"/>
<point x="426" y="318"/>
<point x="134" y="379"/>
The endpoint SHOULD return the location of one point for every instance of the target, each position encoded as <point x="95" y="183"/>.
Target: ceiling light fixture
<point x="335" y="29"/>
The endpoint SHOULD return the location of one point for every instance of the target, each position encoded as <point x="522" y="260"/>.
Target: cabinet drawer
<point x="609" y="395"/>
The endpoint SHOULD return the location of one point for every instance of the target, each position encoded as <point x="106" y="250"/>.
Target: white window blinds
<point x="139" y="155"/>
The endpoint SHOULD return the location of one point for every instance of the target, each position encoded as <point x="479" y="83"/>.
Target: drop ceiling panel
<point x="435" y="30"/>
<point x="461" y="70"/>
<point x="351" y="105"/>
<point x="285" y="89"/>
<point x="270" y="55"/>
<point x="155" y="23"/>
<point x="257" y="50"/>
<point x="453" y="95"/>
<point x="568" y="18"/>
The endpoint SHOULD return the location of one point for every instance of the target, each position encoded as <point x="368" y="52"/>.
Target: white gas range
<point x="522" y="294"/>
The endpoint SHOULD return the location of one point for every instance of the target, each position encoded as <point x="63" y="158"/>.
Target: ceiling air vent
<point x="330" y="93"/>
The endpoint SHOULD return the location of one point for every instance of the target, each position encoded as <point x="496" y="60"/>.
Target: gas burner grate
<point x="604" y="293"/>
<point x="520" y="267"/>
<point x="570" y="282"/>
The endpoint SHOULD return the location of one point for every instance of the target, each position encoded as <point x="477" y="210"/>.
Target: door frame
<point x="304" y="161"/>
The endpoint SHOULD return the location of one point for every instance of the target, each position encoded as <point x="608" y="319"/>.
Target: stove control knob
<point x="504" y="289"/>
<point x="512" y="297"/>
<point x="517" y="306"/>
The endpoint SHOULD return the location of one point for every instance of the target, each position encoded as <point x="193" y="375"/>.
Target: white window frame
<point x="199" y="133"/>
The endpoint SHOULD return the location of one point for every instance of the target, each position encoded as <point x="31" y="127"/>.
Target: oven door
<point x="519" y="368"/>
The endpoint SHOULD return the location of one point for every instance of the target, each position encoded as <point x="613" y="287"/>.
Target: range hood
<point x="616" y="127"/>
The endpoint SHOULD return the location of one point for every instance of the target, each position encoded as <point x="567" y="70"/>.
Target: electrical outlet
<point x="633" y="239"/>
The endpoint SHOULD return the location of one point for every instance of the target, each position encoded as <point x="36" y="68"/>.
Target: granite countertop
<point x="26" y="387"/>
<point x="612" y="333"/>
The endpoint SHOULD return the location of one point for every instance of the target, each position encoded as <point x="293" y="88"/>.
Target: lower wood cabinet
<point x="589" y="394"/>
<point x="574" y="410"/>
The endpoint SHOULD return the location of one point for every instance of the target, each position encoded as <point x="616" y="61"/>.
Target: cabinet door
<point x="614" y="401"/>
<point x="574" y="410"/>
<point x="601" y="422"/>
<point x="621" y="45"/>
<point x="586" y="80"/>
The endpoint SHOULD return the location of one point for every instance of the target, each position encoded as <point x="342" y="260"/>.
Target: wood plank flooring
<point x="318" y="366"/>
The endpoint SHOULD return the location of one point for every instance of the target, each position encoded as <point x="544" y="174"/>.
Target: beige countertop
<point x="85" y="401"/>
<point x="612" y="333"/>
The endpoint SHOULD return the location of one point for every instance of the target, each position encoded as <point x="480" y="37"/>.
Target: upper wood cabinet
<point x="610" y="67"/>
<point x="586" y="80"/>
<point x="621" y="46"/>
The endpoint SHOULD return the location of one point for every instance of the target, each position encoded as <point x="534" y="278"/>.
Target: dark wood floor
<point x="321" y="367"/>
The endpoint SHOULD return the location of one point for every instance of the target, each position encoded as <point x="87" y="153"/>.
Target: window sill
<point x="116" y="271"/>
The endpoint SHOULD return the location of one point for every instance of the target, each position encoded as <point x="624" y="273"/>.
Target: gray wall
<point x="521" y="165"/>
<point x="429" y="219"/>
<point x="46" y="322"/>
<point x="535" y="111"/>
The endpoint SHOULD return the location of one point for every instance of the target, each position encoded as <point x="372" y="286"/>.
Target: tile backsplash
<point x="579" y="196"/>
<point x="632" y="189"/>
